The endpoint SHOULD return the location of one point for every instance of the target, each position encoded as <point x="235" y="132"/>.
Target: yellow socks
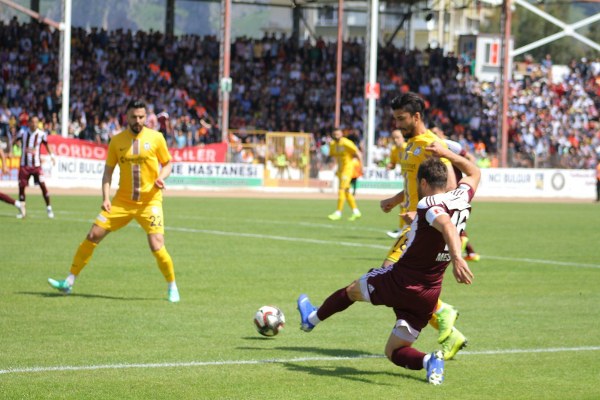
<point x="82" y="256"/>
<point x="165" y="263"/>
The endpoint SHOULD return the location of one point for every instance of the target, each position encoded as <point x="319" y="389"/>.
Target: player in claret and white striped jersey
<point x="412" y="285"/>
<point x="32" y="139"/>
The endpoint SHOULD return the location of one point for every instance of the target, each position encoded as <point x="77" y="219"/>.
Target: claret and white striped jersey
<point x="31" y="144"/>
<point x="426" y="256"/>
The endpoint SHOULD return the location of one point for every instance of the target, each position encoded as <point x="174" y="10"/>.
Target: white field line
<point x="366" y="245"/>
<point x="348" y="244"/>
<point x="271" y="361"/>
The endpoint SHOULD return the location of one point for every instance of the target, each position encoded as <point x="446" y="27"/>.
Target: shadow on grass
<point x="86" y="296"/>
<point x="316" y="350"/>
<point x="349" y="373"/>
<point x="344" y="372"/>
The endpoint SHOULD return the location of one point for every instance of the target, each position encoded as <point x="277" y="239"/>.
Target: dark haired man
<point x="144" y="162"/>
<point x="411" y="286"/>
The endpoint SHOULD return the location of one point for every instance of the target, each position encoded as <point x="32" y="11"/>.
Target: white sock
<point x="313" y="318"/>
<point x="18" y="204"/>
<point x="356" y="211"/>
<point x="425" y="360"/>
<point x="49" y="208"/>
<point x="71" y="279"/>
<point x="173" y="285"/>
<point x="338" y="212"/>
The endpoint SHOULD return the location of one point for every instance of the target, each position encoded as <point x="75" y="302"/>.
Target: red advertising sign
<point x="66" y="147"/>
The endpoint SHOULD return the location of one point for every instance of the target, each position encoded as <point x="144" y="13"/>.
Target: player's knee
<point x="156" y="241"/>
<point x="96" y="234"/>
<point x="389" y="351"/>
<point x="353" y="291"/>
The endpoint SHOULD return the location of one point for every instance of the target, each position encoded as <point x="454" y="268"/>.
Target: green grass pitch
<point x="531" y="315"/>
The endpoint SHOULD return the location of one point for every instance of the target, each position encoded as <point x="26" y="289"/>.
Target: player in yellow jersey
<point x="395" y="154"/>
<point x="408" y="111"/>
<point x="343" y="150"/>
<point x="144" y="163"/>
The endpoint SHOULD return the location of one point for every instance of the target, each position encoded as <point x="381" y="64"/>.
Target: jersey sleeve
<point x="434" y="212"/>
<point x="162" y="151"/>
<point x="454" y="147"/>
<point x="470" y="193"/>
<point x="111" y="156"/>
<point x="349" y="144"/>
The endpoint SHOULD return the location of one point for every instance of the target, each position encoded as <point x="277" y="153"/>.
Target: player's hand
<point x="437" y="149"/>
<point x="106" y="205"/>
<point x="5" y="168"/>
<point x="159" y="183"/>
<point x="387" y="204"/>
<point x="461" y="271"/>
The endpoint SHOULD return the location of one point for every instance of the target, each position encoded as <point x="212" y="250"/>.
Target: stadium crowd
<point x="283" y="86"/>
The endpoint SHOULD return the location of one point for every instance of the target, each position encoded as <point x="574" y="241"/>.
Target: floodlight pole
<point x="506" y="63"/>
<point x="338" y="74"/>
<point x="372" y="37"/>
<point x="66" y="69"/>
<point x="65" y="53"/>
<point x="225" y="66"/>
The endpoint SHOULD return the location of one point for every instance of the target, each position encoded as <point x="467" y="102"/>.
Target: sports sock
<point x="45" y="193"/>
<point x="71" y="279"/>
<point x="165" y="263"/>
<point x="82" y="256"/>
<point x="313" y="318"/>
<point x="338" y="301"/>
<point x="470" y="249"/>
<point x="351" y="200"/>
<point x="433" y="320"/>
<point x="341" y="199"/>
<point x="7" y="199"/>
<point x="408" y="357"/>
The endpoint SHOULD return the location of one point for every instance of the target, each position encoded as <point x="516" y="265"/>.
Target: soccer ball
<point x="269" y="320"/>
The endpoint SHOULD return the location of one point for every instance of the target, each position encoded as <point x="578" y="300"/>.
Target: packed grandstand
<point x="281" y="85"/>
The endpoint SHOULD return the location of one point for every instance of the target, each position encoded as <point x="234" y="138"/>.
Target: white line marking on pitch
<point x="372" y="246"/>
<point x="270" y="361"/>
<point x="352" y="244"/>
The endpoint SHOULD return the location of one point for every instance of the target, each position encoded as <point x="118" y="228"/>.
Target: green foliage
<point x="529" y="315"/>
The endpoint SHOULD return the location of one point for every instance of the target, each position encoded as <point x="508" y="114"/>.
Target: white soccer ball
<point x="269" y="320"/>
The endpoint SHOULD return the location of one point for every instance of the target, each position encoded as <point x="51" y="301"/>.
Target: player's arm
<point x="460" y="269"/>
<point x="164" y="173"/>
<point x="451" y="182"/>
<point x="12" y="142"/>
<point x="359" y="155"/>
<point x="458" y="148"/>
<point x="45" y="142"/>
<point x="106" y="182"/>
<point x="388" y="204"/>
<point x="3" y="158"/>
<point x="470" y="170"/>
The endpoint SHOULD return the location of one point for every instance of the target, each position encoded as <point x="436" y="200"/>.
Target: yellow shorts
<point x="345" y="181"/>
<point x="399" y="245"/>
<point x="148" y="215"/>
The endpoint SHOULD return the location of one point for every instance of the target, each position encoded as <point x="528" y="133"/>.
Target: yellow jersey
<point x="343" y="150"/>
<point x="140" y="158"/>
<point x="396" y="154"/>
<point x="411" y="158"/>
